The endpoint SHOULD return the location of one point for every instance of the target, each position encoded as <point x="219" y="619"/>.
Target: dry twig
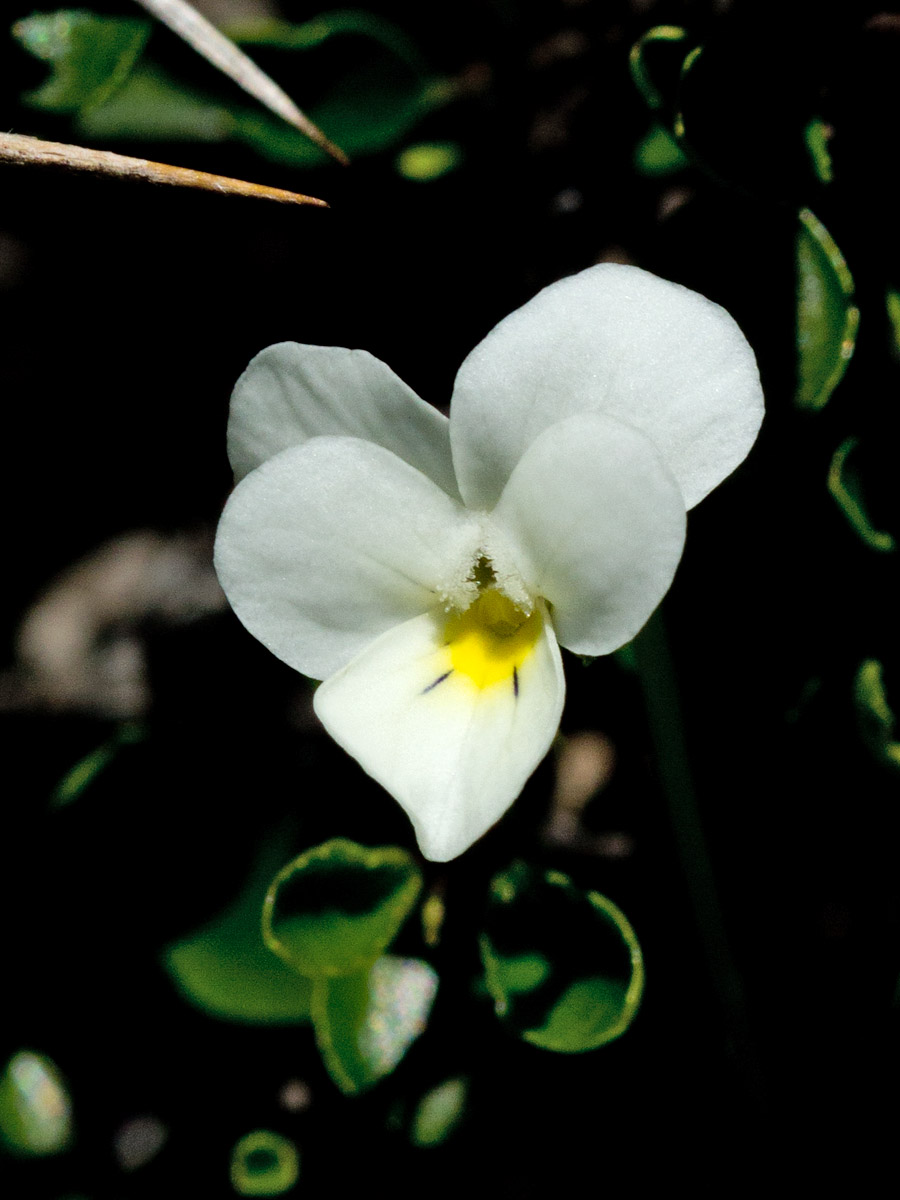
<point x="19" y="149"/>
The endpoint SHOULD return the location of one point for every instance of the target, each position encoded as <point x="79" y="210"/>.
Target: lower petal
<point x="451" y="737"/>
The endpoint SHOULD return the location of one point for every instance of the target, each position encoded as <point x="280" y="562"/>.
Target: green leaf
<point x="827" y="320"/>
<point x="438" y="1113"/>
<point x="366" y="1022"/>
<point x="89" y="56"/>
<point x="845" y="487"/>
<point x="336" y="908"/>
<point x="672" y="41"/>
<point x="658" y="153"/>
<point x="151" y="106"/>
<point x="429" y="160"/>
<point x="369" y="80"/>
<point x="86" y="770"/>
<point x="226" y="970"/>
<point x="892" y="301"/>
<point x="816" y="134"/>
<point x="876" y="717"/>
<point x="264" y="1164"/>
<point x="35" y="1110"/>
<point x="562" y="965"/>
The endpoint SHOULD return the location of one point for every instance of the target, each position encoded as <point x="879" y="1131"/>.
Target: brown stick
<point x="19" y="149"/>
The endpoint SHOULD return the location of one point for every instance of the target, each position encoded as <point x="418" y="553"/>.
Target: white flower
<point x="429" y="569"/>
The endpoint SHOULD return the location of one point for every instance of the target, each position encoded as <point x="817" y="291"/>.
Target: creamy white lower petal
<point x="329" y="544"/>
<point x="291" y="392"/>
<point x="453" y="744"/>
<point x="596" y="524"/>
<point x="611" y="339"/>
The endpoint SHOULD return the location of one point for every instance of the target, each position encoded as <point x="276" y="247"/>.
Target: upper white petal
<point x="291" y="392"/>
<point x="611" y="339"/>
<point x="455" y="756"/>
<point x="330" y="543"/>
<point x="595" y="523"/>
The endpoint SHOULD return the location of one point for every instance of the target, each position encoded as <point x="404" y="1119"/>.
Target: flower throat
<point x="490" y="640"/>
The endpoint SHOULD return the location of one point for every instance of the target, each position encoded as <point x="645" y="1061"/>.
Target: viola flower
<point x="428" y="569"/>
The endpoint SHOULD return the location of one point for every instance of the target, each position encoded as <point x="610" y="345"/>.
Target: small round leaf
<point x="264" y="1164"/>
<point x="827" y="320"/>
<point x="562" y="965"/>
<point x="366" y="1022"/>
<point x="336" y="908"/>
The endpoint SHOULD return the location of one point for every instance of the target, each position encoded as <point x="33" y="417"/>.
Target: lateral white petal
<point x="291" y="392"/>
<point x="596" y="524"/>
<point x="611" y="339"/>
<point x="328" y="544"/>
<point x="454" y="755"/>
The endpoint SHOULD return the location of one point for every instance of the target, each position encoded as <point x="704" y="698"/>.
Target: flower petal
<point x="453" y="753"/>
<point x="328" y="544"/>
<point x="611" y="339"/>
<point x="290" y="393"/>
<point x="595" y="524"/>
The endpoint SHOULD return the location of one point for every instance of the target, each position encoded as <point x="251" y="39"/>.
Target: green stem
<point x="657" y="675"/>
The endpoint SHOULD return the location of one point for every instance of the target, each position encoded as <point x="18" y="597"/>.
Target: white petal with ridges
<point x="611" y="339"/>
<point x="455" y="755"/>
<point x="329" y="544"/>
<point x="291" y="392"/>
<point x="596" y="526"/>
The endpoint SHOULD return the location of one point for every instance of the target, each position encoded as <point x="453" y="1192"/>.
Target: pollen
<point x="491" y="640"/>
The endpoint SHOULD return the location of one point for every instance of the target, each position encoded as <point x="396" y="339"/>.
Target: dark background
<point x="127" y="314"/>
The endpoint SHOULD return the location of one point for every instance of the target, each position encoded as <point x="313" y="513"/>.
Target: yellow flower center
<point x="491" y="639"/>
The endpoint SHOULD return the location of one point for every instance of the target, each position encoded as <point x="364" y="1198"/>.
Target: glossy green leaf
<point x="86" y="770"/>
<point x="658" y="153"/>
<point x="370" y="82"/>
<point x="429" y="160"/>
<point x="827" y="320"/>
<point x="264" y="1164"/>
<point x="439" y="1112"/>
<point x="366" y="1022"/>
<point x="846" y="488"/>
<point x="35" y="1110"/>
<point x="226" y="969"/>
<point x="89" y="56"/>
<point x="336" y="908"/>
<point x="876" y="717"/>
<point x="562" y="965"/>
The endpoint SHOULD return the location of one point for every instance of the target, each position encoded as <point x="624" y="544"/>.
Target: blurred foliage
<point x="358" y="78"/>
<point x="846" y="487"/>
<point x="74" y="782"/>
<point x="35" y="1110"/>
<point x="227" y="970"/>
<point x="264" y="1164"/>
<point x="428" y="160"/>
<point x="439" y="1112"/>
<point x="659" y="153"/>
<point x="816" y="134"/>
<point x="876" y="717"/>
